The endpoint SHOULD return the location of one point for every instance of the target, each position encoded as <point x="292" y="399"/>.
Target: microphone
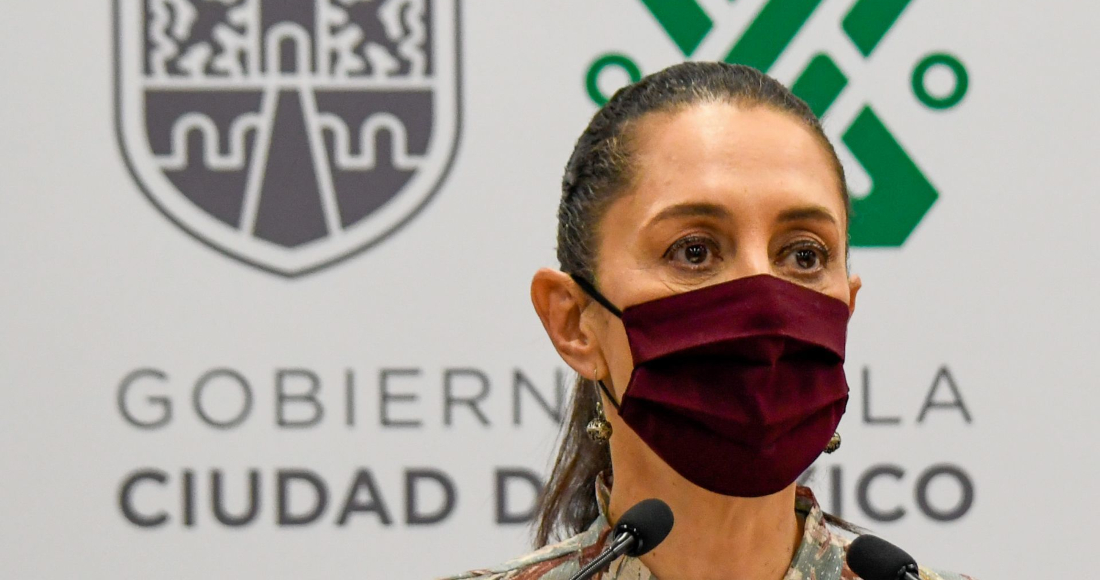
<point x="640" y="529"/>
<point x="874" y="558"/>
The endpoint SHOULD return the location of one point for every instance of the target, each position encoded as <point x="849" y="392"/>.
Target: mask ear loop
<point x="610" y="397"/>
<point x="590" y="289"/>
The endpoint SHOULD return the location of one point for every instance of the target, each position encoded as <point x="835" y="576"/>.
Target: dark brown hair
<point x="597" y="173"/>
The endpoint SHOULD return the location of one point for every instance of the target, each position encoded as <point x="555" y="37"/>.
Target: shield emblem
<point x="288" y="134"/>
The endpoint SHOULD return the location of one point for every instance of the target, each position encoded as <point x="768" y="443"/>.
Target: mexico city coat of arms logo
<point x="289" y="134"/>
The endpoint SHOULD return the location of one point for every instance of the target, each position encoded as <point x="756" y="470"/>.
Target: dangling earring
<point x="834" y="443"/>
<point x="598" y="429"/>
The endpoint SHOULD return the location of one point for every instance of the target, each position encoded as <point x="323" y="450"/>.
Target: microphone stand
<point x="909" y="572"/>
<point x="621" y="545"/>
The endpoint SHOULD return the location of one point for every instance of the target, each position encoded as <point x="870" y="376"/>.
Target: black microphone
<point x="874" y="558"/>
<point x="640" y="529"/>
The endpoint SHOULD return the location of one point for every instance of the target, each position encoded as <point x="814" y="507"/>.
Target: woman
<point x="703" y="301"/>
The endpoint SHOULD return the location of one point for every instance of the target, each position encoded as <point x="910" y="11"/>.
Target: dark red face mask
<point x="737" y="386"/>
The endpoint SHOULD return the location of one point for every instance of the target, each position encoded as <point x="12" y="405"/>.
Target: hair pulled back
<point x="598" y="172"/>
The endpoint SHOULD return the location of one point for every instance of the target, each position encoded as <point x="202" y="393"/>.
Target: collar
<point x="820" y="555"/>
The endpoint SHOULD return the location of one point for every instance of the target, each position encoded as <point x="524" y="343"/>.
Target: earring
<point x="598" y="429"/>
<point x="834" y="443"/>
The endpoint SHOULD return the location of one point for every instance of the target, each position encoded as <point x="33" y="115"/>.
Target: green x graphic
<point x="900" y="194"/>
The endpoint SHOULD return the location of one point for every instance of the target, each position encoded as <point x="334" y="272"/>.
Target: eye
<point x="694" y="252"/>
<point x="805" y="257"/>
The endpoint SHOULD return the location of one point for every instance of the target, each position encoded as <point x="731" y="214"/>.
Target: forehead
<point x="743" y="158"/>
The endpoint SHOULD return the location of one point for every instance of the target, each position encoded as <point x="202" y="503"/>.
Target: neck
<point x="715" y="536"/>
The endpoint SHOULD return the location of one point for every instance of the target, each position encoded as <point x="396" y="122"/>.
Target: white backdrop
<point x="990" y="303"/>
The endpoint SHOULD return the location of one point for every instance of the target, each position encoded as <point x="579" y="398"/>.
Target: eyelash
<point x="691" y="240"/>
<point x="824" y="255"/>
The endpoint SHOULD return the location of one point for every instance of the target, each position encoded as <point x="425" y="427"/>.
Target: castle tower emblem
<point x="288" y="134"/>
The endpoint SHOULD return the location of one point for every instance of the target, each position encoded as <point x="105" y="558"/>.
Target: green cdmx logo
<point x="900" y="194"/>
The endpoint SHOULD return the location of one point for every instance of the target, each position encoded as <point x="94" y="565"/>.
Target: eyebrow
<point x="814" y="212"/>
<point x="683" y="210"/>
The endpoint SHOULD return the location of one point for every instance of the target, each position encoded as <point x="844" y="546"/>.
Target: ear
<point x="560" y="304"/>
<point x="854" y="284"/>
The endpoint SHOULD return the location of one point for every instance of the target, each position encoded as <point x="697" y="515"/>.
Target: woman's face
<point x="719" y="192"/>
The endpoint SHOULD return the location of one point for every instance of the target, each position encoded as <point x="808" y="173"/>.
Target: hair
<point x="598" y="172"/>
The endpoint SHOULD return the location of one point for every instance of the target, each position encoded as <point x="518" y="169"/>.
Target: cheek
<point x="838" y="287"/>
<point x="616" y="353"/>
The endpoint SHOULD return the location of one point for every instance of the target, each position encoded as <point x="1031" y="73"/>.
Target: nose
<point x="750" y="260"/>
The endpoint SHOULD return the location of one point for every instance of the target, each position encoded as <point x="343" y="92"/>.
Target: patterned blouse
<point x="820" y="556"/>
